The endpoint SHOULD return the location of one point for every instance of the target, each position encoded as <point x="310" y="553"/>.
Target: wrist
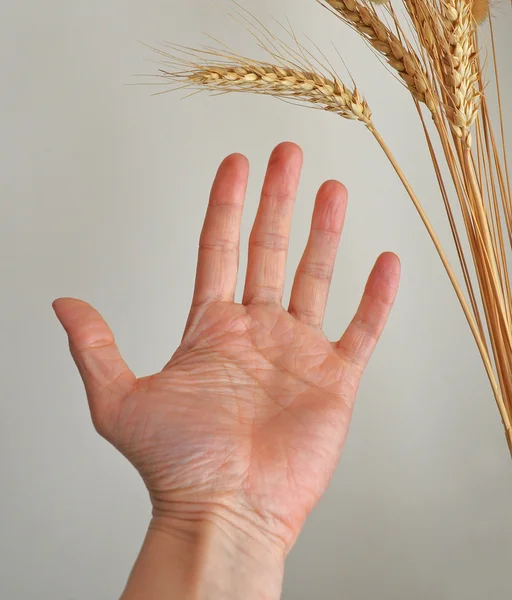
<point x="213" y="557"/>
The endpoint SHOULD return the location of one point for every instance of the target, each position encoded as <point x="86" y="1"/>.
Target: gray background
<point x="102" y="194"/>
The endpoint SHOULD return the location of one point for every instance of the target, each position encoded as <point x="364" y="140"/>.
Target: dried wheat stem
<point x="362" y="17"/>
<point x="458" y="290"/>
<point x="283" y="82"/>
<point x="481" y="220"/>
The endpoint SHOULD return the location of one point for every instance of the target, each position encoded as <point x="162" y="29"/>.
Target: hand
<point x="247" y="421"/>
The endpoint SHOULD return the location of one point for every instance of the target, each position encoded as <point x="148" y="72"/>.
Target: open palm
<point x="249" y="416"/>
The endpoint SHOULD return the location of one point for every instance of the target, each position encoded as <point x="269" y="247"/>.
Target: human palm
<point x="249" y="416"/>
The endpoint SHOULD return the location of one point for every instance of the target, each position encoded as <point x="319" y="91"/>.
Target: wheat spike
<point x="458" y="68"/>
<point x="279" y="81"/>
<point x="362" y="17"/>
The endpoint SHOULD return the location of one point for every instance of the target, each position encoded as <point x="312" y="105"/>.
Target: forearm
<point x="209" y="561"/>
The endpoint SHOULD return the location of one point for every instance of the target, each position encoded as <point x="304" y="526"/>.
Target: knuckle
<point x="308" y="316"/>
<point x="366" y="331"/>
<point x="270" y="241"/>
<point x="264" y="294"/>
<point x="316" y="270"/>
<point x="311" y="319"/>
<point x="278" y="196"/>
<point x="219" y="245"/>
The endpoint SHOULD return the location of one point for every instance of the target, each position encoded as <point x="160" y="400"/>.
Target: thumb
<point x="106" y="377"/>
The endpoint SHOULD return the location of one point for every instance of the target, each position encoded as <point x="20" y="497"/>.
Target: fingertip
<point x="67" y="306"/>
<point x="334" y="188"/>
<point x="84" y="325"/>
<point x="236" y="161"/>
<point x="288" y="147"/>
<point x="385" y="277"/>
<point x="234" y="168"/>
<point x="330" y="207"/>
<point x="389" y="264"/>
<point x="230" y="182"/>
<point x="62" y="300"/>
<point x="62" y="305"/>
<point x="288" y="152"/>
<point x="332" y="192"/>
<point x="56" y="304"/>
<point x="390" y="256"/>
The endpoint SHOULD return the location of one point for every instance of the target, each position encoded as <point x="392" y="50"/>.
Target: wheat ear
<point x="282" y="82"/>
<point x="362" y="17"/>
<point x="458" y="68"/>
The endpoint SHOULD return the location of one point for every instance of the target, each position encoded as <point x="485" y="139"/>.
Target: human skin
<point x="238" y="436"/>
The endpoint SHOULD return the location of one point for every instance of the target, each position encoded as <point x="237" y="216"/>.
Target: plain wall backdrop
<point x="102" y="192"/>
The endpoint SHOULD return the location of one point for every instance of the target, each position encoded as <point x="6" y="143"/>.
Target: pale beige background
<point x="102" y="194"/>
